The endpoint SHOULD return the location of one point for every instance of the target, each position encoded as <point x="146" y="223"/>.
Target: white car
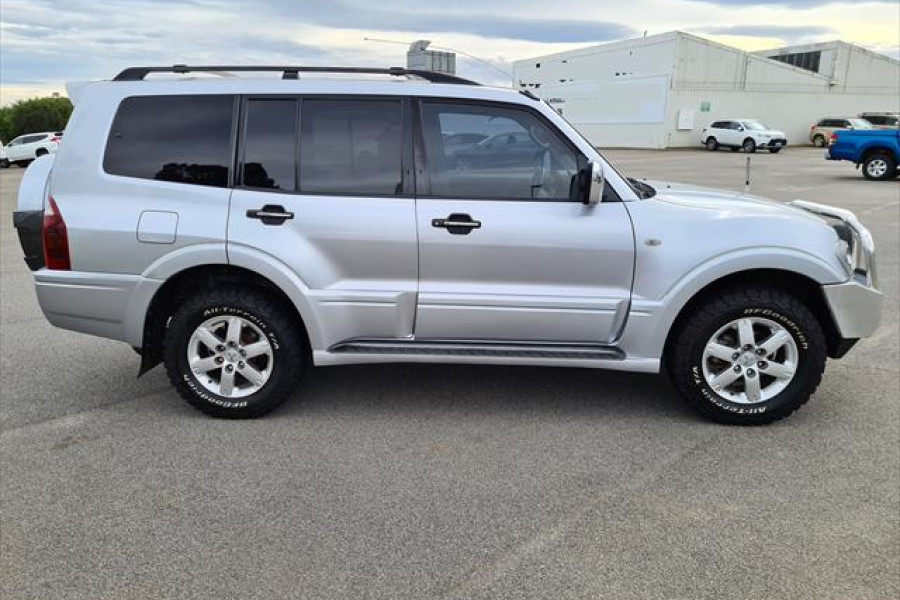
<point x="746" y="134"/>
<point x="25" y="148"/>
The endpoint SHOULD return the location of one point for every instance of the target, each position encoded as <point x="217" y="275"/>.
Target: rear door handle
<point x="270" y="214"/>
<point x="457" y="224"/>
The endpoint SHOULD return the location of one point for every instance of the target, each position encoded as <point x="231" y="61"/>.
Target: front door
<point x="337" y="209"/>
<point x="506" y="251"/>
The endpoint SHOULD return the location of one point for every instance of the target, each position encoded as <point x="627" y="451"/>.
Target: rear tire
<point x="770" y="386"/>
<point x="819" y="141"/>
<point x="258" y="340"/>
<point x="712" y="144"/>
<point x="879" y="167"/>
<point x="749" y="146"/>
<point x="40" y="152"/>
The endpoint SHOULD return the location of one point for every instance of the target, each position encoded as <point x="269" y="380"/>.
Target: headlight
<point x="855" y="246"/>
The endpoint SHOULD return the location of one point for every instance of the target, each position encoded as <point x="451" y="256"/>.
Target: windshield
<point x="754" y="125"/>
<point x="860" y="124"/>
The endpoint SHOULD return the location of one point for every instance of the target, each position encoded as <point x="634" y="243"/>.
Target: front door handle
<point x="270" y="214"/>
<point x="457" y="224"/>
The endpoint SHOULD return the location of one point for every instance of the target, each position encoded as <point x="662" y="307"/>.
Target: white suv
<point x="240" y="229"/>
<point x="746" y="134"/>
<point x="25" y="148"/>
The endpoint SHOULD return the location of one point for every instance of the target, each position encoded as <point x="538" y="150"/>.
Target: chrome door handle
<point x="457" y="223"/>
<point x="270" y="214"/>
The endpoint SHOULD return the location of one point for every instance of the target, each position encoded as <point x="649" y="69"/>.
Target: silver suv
<point x="239" y="229"/>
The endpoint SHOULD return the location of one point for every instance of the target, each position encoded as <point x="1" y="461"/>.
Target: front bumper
<point x="855" y="304"/>
<point x="856" y="308"/>
<point x="772" y="143"/>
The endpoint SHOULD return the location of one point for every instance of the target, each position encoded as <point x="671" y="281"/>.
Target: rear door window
<point x="183" y="139"/>
<point x="351" y="147"/>
<point x="270" y="146"/>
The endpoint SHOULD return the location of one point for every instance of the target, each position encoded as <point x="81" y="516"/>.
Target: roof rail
<point x="293" y="72"/>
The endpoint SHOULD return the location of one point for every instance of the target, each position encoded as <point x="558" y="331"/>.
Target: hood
<point x="731" y="202"/>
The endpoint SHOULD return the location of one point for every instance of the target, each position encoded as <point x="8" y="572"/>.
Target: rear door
<point x="506" y="252"/>
<point x="338" y="170"/>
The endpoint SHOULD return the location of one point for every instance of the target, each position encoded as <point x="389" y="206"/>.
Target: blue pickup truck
<point x="877" y="150"/>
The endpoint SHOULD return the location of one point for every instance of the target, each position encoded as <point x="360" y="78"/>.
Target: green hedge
<point x="30" y="116"/>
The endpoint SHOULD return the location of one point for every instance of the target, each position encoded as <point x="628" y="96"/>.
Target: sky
<point x="44" y="43"/>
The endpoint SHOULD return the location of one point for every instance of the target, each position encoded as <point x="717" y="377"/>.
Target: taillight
<point x="55" y="238"/>
<point x="56" y="139"/>
<point x="834" y="137"/>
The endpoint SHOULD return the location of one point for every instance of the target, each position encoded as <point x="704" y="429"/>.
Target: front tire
<point x="774" y="150"/>
<point x="747" y="356"/>
<point x="879" y="167"/>
<point x="235" y="353"/>
<point x="4" y="163"/>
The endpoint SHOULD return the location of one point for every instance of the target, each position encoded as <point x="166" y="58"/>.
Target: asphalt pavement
<point x="452" y="482"/>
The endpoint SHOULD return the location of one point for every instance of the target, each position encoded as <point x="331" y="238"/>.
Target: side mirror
<point x="593" y="184"/>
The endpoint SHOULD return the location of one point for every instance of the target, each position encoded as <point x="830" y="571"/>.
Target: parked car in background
<point x="25" y="148"/>
<point x="876" y="150"/>
<point x="882" y="120"/>
<point x="508" y="148"/>
<point x="742" y="134"/>
<point x="4" y="160"/>
<point x="820" y="133"/>
<point x="456" y="142"/>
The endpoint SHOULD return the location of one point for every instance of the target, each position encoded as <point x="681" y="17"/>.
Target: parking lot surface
<point x="457" y="482"/>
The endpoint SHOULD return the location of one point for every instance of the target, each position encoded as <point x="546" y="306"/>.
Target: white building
<point x="660" y="91"/>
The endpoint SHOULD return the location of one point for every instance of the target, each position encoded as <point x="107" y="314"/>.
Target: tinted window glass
<point x="186" y="139"/>
<point x="517" y="157"/>
<point x="351" y="147"/>
<point x="720" y="125"/>
<point x="270" y="146"/>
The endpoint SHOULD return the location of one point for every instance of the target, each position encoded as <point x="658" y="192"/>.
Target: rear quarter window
<point x="182" y="139"/>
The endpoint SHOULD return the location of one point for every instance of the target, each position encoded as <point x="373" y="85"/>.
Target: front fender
<point x="651" y="318"/>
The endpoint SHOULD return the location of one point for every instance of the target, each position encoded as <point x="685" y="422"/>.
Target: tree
<point x="34" y="115"/>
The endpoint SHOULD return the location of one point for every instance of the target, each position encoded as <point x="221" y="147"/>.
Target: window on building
<point x="184" y="139"/>
<point x="351" y="147"/>
<point x="805" y="60"/>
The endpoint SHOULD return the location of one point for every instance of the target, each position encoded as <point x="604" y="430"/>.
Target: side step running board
<point x="474" y="348"/>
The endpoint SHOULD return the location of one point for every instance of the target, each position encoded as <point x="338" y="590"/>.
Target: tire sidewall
<point x="712" y="144"/>
<point x="806" y="367"/>
<point x="749" y="145"/>
<point x="889" y="172"/>
<point x="177" y="350"/>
